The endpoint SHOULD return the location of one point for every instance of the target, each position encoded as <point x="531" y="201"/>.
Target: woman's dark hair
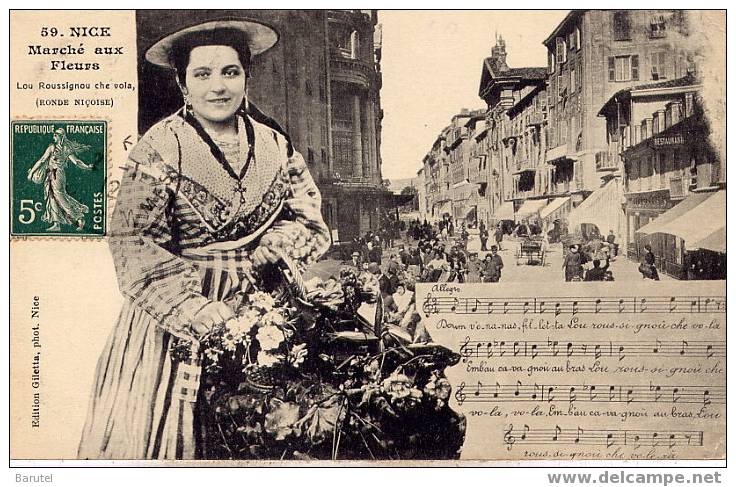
<point x="182" y="48"/>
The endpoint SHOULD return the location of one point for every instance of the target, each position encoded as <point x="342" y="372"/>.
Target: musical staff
<point x="556" y="305"/>
<point x="600" y="437"/>
<point x="518" y="392"/>
<point x="619" y="350"/>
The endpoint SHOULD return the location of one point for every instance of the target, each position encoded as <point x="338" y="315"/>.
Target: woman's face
<point x="215" y="82"/>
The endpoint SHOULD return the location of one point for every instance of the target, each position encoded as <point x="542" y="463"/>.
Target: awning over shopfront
<point x="693" y="200"/>
<point x="602" y="208"/>
<point x="529" y="208"/>
<point x="504" y="212"/>
<point x="716" y="241"/>
<point x="552" y="209"/>
<point x="702" y="224"/>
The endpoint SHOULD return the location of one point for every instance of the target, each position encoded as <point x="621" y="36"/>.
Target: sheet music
<point x="585" y="371"/>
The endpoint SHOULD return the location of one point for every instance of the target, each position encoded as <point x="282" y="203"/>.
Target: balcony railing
<point x="353" y="71"/>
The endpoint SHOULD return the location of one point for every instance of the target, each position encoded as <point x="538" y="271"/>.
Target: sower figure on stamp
<point x="211" y="194"/>
<point x="50" y="170"/>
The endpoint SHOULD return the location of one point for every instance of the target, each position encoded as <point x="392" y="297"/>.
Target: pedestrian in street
<point x="483" y="238"/>
<point x="473" y="269"/>
<point x="597" y="273"/>
<point x="404" y="255"/>
<point x="492" y="265"/>
<point x="499" y="236"/>
<point x="573" y="264"/>
<point x="457" y="262"/>
<point x="611" y="240"/>
<point x="647" y="268"/>
<point x="356" y="261"/>
<point x="374" y="253"/>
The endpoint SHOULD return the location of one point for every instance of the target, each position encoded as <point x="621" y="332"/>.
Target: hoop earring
<point x="187" y="104"/>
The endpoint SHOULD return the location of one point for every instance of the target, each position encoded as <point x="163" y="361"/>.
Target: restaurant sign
<point x="668" y="140"/>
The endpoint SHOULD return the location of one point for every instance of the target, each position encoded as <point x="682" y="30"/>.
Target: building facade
<point x="670" y="171"/>
<point x="321" y="82"/>
<point x="592" y="54"/>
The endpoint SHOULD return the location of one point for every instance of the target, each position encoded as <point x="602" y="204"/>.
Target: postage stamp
<point x="59" y="171"/>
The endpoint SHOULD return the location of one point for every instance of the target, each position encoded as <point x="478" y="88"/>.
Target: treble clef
<point x="465" y="351"/>
<point x="430" y="305"/>
<point x="459" y="394"/>
<point x="508" y="438"/>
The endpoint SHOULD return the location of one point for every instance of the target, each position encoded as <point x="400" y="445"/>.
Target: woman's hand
<point x="212" y="314"/>
<point x="262" y="255"/>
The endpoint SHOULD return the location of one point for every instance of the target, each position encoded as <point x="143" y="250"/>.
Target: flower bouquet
<point x="302" y="376"/>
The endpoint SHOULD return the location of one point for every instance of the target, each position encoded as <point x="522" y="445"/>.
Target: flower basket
<point x="299" y="374"/>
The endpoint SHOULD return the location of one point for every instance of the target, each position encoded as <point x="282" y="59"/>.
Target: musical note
<point x="460" y="395"/>
<point x="675" y="394"/>
<point x="573" y="396"/>
<point x="657" y="391"/>
<point x="541" y="307"/>
<point x="558" y="430"/>
<point x="580" y="432"/>
<point x="684" y="348"/>
<point x="706" y="398"/>
<point x="558" y="309"/>
<point x="597" y="305"/>
<point x="643" y="305"/>
<point x="475" y="306"/>
<point x="621" y="306"/>
<point x="574" y="308"/>
<point x="673" y="304"/>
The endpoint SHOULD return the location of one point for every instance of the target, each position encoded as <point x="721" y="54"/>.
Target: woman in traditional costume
<point x="210" y="195"/>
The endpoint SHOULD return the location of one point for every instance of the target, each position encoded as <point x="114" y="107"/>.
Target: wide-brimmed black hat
<point x="259" y="37"/>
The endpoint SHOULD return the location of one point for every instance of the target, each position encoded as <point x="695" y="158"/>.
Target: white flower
<point x="273" y="317"/>
<point x="213" y="355"/>
<point x="261" y="300"/>
<point x="229" y="342"/>
<point x="297" y="354"/>
<point x="270" y="337"/>
<point x="266" y="359"/>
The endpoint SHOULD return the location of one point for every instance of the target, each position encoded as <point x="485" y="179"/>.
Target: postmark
<point x="59" y="174"/>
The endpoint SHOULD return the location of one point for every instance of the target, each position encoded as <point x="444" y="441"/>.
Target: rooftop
<point x="684" y="82"/>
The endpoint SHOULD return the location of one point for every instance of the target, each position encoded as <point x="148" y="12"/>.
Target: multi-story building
<point x="593" y="54"/>
<point x="321" y="82"/>
<point x="672" y="176"/>
<point x="514" y="140"/>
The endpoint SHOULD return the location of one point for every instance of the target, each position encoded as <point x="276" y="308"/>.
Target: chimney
<point x="498" y="55"/>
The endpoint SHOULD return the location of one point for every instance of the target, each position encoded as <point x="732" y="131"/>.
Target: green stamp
<point x="59" y="172"/>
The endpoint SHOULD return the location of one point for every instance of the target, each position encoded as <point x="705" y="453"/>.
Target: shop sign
<point x="668" y="140"/>
<point x="648" y="201"/>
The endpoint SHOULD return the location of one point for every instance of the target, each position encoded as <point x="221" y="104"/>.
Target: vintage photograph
<point x="368" y="235"/>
